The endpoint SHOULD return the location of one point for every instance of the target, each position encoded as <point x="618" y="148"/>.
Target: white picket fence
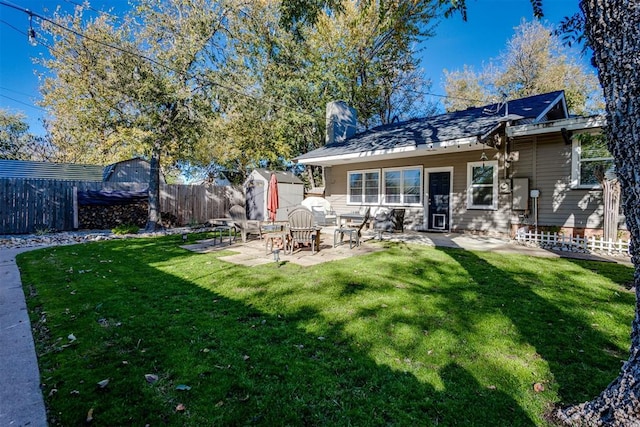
<point x="561" y="241"/>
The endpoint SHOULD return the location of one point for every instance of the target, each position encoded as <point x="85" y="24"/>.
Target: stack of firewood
<point x="96" y="217"/>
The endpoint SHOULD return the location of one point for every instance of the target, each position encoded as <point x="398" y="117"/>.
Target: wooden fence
<point x="590" y="244"/>
<point x="31" y="206"/>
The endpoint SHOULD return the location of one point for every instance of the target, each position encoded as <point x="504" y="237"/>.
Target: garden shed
<point x="290" y="193"/>
<point x="135" y="170"/>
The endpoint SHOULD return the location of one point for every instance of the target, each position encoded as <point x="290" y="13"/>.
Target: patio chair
<point x="239" y="216"/>
<point x="354" y="231"/>
<point x="321" y="209"/>
<point x="389" y="221"/>
<point x="302" y="229"/>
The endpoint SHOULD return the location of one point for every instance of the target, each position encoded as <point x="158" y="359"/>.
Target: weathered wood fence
<point x="30" y="206"/>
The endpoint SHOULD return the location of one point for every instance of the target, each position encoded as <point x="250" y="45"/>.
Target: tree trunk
<point x="153" y="221"/>
<point x="611" y="27"/>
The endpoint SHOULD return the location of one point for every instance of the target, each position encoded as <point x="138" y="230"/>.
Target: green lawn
<point x="407" y="336"/>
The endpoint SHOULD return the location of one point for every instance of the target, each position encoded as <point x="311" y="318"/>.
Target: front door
<point x="438" y="207"/>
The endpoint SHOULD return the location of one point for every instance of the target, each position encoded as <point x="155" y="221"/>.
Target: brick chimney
<point x="341" y="122"/>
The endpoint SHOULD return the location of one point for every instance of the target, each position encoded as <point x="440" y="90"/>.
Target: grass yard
<point x="408" y="336"/>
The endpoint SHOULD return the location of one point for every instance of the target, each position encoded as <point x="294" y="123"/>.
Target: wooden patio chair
<point x="302" y="229"/>
<point x="354" y="231"/>
<point x="239" y="216"/>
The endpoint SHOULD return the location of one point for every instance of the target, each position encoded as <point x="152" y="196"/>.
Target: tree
<point x="360" y="52"/>
<point x="364" y="51"/>
<point x="16" y="143"/>
<point x="534" y="62"/>
<point x="610" y="29"/>
<point x="138" y="88"/>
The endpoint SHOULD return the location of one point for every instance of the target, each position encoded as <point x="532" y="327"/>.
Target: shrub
<point x="125" y="229"/>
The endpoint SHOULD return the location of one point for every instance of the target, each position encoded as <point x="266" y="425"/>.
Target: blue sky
<point x="456" y="43"/>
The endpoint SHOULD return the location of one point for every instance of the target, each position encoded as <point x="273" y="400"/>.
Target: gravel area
<point x="73" y="237"/>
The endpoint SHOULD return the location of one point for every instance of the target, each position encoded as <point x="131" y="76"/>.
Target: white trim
<point x="383" y="190"/>
<point x="576" y="154"/>
<point x="575" y="123"/>
<point x="551" y="105"/>
<point x="409" y="151"/>
<point x="425" y="201"/>
<point x="494" y="204"/>
<point x="363" y="172"/>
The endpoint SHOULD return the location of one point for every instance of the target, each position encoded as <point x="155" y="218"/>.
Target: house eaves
<point x="570" y="124"/>
<point x="461" y="144"/>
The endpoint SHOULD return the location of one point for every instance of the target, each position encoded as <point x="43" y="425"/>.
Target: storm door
<point x="438" y="209"/>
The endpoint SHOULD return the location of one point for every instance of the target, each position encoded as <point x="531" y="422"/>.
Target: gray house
<point x="494" y="168"/>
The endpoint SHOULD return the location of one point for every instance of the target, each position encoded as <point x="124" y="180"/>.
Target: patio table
<point x="229" y="229"/>
<point x="351" y="217"/>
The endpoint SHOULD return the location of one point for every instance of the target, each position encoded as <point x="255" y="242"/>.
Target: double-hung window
<point x="482" y="185"/>
<point x="364" y="187"/>
<point x="590" y="152"/>
<point x="402" y="186"/>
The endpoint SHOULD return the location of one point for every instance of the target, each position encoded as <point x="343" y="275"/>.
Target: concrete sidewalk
<point x="21" y="401"/>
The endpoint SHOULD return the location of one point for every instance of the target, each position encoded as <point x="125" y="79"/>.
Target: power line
<point x="168" y="68"/>
<point x="23" y="103"/>
<point x="150" y="60"/>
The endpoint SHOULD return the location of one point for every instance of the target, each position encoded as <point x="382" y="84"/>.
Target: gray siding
<point x="461" y="218"/>
<point x="544" y="160"/>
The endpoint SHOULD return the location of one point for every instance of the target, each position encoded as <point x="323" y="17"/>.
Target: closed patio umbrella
<point x="272" y="197"/>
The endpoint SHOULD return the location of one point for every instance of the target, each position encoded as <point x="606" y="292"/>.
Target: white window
<point x="363" y="187"/>
<point x="402" y="186"/>
<point x="589" y="153"/>
<point x="482" y="185"/>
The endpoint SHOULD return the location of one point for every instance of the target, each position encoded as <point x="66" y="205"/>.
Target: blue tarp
<point x="109" y="198"/>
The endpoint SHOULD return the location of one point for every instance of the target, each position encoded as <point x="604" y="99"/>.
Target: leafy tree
<point x="360" y="52"/>
<point x="609" y="28"/>
<point x="535" y="61"/>
<point x="16" y="143"/>
<point x="133" y="89"/>
<point x="364" y="53"/>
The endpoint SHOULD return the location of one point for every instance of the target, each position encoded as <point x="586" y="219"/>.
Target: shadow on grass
<point x="581" y="357"/>
<point x="244" y="365"/>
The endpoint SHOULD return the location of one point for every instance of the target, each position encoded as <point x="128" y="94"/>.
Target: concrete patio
<point x="254" y="252"/>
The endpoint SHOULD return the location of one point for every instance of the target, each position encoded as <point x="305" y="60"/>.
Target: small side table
<point x="221" y="229"/>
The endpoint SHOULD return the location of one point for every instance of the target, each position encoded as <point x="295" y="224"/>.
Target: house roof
<point x="462" y="129"/>
<point x="46" y="170"/>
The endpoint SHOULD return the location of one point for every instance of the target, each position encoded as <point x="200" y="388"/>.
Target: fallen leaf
<point x="90" y="415"/>
<point x="103" y="383"/>
<point x="151" y="378"/>
<point x="71" y="337"/>
<point x="538" y="387"/>
<point x="183" y="387"/>
<point x="245" y="358"/>
<point x="181" y="407"/>
<point x="491" y="387"/>
<point x="53" y="391"/>
<point x="219" y="404"/>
